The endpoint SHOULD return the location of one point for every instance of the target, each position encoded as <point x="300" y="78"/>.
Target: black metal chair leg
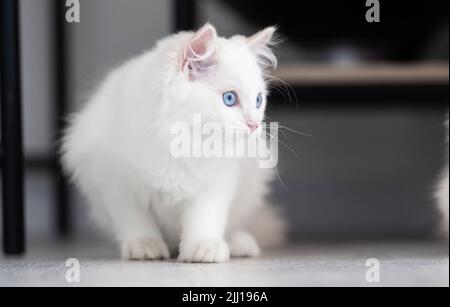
<point x="11" y="126"/>
<point x="62" y="205"/>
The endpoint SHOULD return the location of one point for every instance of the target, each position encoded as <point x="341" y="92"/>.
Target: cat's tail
<point x="269" y="227"/>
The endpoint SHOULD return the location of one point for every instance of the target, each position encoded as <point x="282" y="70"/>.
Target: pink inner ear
<point x="199" y="52"/>
<point x="201" y="43"/>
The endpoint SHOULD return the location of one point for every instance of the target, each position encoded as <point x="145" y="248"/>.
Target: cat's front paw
<point x="243" y="244"/>
<point x="145" y="249"/>
<point x="208" y="250"/>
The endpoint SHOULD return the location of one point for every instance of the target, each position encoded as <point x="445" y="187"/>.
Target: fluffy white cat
<point x="116" y="150"/>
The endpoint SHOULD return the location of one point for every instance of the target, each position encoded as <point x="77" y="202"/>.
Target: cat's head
<point x="226" y="78"/>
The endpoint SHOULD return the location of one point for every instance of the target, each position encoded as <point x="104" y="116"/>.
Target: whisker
<point x="282" y="143"/>
<point x="282" y="86"/>
<point x="282" y="132"/>
<point x="279" y="179"/>
<point x="294" y="131"/>
<point x="287" y="137"/>
<point x="282" y="90"/>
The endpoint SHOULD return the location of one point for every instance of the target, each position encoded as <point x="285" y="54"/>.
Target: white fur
<point x="443" y="199"/>
<point x="442" y="195"/>
<point x="116" y="149"/>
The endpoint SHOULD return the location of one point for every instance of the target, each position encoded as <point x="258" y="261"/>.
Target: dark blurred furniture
<point x="11" y="147"/>
<point x="12" y="156"/>
<point x="404" y="31"/>
<point x="407" y="32"/>
<point x="62" y="203"/>
<point x="389" y="84"/>
<point x="402" y="60"/>
<point x="185" y="15"/>
<point x="61" y="213"/>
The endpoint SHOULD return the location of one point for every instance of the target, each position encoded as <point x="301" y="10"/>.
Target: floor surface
<point x="319" y="264"/>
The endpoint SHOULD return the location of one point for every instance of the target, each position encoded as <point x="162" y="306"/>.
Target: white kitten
<point x="117" y="150"/>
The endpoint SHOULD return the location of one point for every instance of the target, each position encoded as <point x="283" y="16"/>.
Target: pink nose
<point x="252" y="125"/>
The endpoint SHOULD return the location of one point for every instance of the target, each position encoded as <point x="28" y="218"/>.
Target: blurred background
<point x="373" y="97"/>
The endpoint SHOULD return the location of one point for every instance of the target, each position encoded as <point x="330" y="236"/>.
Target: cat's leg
<point x="202" y="237"/>
<point x="132" y="223"/>
<point x="204" y="222"/>
<point x="139" y="237"/>
<point x="243" y="244"/>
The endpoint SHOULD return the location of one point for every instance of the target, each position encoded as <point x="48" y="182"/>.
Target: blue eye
<point x="259" y="101"/>
<point x="230" y="99"/>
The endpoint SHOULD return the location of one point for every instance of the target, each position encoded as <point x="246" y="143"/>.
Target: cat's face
<point x="226" y="77"/>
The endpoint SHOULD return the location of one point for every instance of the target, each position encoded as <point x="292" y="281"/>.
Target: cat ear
<point x="199" y="53"/>
<point x="262" y="38"/>
<point x="261" y="44"/>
